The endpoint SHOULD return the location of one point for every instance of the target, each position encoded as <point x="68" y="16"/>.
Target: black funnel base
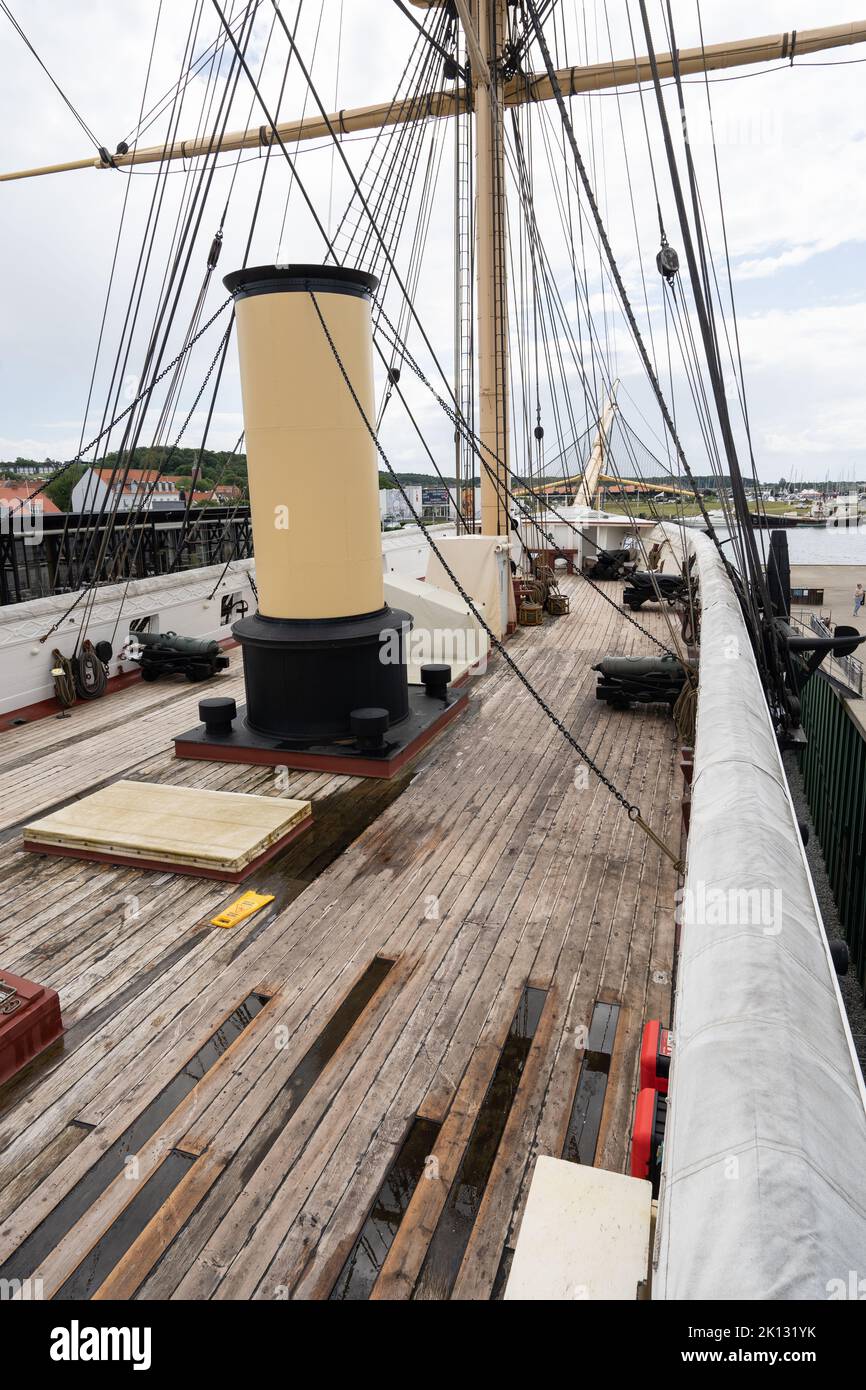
<point x="304" y="678"/>
<point x="352" y="755"/>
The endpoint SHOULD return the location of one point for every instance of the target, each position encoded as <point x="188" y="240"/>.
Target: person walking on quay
<point x="859" y="596"/>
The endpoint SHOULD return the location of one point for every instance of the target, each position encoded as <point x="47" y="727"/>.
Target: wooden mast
<point x="589" y="483"/>
<point x="490" y="18"/>
<point x="573" y="80"/>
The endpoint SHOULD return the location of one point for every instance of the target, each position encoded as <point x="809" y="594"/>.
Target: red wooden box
<point x="29" y="1022"/>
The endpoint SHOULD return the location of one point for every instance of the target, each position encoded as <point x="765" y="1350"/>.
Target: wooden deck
<point x="485" y="867"/>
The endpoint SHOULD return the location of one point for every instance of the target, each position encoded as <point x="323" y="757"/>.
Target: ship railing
<point x="763" y="1192"/>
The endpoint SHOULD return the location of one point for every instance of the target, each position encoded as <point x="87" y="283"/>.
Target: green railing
<point x="834" y="777"/>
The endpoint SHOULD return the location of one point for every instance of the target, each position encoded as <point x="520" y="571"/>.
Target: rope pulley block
<point x="216" y="247"/>
<point x="668" y="262"/>
<point x="90" y="675"/>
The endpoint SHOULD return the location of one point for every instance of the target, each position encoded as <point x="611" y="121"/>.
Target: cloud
<point x="826" y="347"/>
<point x="756" y="269"/>
<point x="792" y="158"/>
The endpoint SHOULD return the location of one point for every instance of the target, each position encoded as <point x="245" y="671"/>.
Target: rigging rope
<point x="633" y="811"/>
<point x="82" y="123"/>
<point x="64" y="468"/>
<point x="185" y="231"/>
<point x="623" y="293"/>
<point x="757" y="593"/>
<point x="507" y="494"/>
<point x="437" y="47"/>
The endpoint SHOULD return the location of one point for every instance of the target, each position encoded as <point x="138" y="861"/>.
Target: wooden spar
<point x="571" y="482"/>
<point x="388" y="113"/>
<point x="573" y="81"/>
<point x="647" y="487"/>
<point x="490" y="19"/>
<point x="589" y="483"/>
<point x="624" y="72"/>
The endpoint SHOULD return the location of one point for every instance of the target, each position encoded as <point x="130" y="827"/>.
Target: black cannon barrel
<point x="171" y="642"/>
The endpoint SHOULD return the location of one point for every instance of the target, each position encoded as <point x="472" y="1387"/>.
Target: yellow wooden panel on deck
<point x="223" y="831"/>
<point x="242" y="908"/>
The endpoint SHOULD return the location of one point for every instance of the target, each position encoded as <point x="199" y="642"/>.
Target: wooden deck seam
<point x="532" y="883"/>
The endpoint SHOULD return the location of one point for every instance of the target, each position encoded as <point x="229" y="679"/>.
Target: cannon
<point x="645" y="586"/>
<point x="642" y="680"/>
<point x="165" y="653"/>
<point x="804" y="653"/>
<point x="612" y="564"/>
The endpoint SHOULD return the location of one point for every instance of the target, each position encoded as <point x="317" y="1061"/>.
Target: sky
<point x="791" y="151"/>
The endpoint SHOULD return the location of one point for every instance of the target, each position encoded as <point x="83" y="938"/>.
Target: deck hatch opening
<point x="367" y="1256"/>
<point x="454" y="1228"/>
<point x="122" y="1233"/>
<point x="584" y="1123"/>
<point x="32" y="1251"/>
<point x="315" y="1059"/>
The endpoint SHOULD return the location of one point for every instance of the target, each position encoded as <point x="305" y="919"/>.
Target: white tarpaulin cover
<point x="443" y="629"/>
<point x="481" y="565"/>
<point x="764" y="1174"/>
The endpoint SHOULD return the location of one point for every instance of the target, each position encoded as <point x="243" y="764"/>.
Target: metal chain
<point x="633" y="811"/>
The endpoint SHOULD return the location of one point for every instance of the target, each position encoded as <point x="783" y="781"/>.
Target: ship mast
<point x="589" y="483"/>
<point x="485" y="27"/>
<point x="485" y="32"/>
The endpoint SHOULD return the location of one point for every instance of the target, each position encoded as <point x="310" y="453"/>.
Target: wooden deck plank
<point x="424" y="925"/>
<point x="484" y="869"/>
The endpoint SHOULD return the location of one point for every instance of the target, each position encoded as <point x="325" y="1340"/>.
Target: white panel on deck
<point x="443" y="629"/>
<point x="175" y="825"/>
<point x="585" y="1234"/>
<point x="480" y="563"/>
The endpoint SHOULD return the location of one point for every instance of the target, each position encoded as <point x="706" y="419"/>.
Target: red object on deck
<point x="647" y="1137"/>
<point x="29" y="1022"/>
<point x="655" y="1057"/>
